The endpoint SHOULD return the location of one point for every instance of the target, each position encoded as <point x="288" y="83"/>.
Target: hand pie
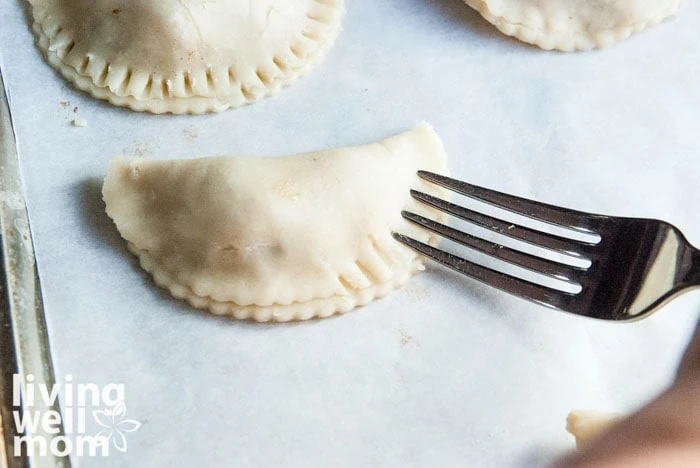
<point x="284" y="238"/>
<point x="184" y="56"/>
<point x="574" y="24"/>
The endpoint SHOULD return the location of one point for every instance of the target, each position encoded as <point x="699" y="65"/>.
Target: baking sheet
<point x="445" y="372"/>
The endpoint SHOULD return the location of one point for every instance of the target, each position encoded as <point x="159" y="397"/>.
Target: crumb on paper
<point x="140" y="149"/>
<point x="190" y="133"/>
<point x="64" y="104"/>
<point x="75" y="110"/>
<point x="406" y="339"/>
<point x="79" y="122"/>
<point x="416" y="292"/>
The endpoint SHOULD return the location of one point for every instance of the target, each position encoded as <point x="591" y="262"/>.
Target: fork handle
<point x="692" y="277"/>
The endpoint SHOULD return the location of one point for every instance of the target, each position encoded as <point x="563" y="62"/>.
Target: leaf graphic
<point x="129" y="425"/>
<point x="102" y="418"/>
<point x="119" y="441"/>
<point x="118" y="412"/>
<point x="105" y="434"/>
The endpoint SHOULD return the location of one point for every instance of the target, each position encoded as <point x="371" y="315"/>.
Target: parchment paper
<point x="445" y="372"/>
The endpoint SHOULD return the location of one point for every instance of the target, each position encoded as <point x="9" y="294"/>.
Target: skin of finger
<point x="665" y="433"/>
<point x="689" y="367"/>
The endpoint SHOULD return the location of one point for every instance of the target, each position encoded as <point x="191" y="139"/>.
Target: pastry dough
<point x="586" y="426"/>
<point x="184" y="56"/>
<point x="574" y="24"/>
<point x="286" y="238"/>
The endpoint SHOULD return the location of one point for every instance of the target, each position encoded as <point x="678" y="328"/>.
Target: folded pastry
<point x="574" y="24"/>
<point x="184" y="56"/>
<point x="283" y="238"/>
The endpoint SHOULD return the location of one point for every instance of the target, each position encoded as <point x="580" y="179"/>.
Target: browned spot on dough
<point x="116" y="11"/>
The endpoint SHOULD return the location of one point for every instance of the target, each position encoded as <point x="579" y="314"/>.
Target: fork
<point x="636" y="266"/>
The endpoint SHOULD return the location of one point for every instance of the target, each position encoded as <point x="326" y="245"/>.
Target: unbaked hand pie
<point x="284" y="238"/>
<point x="184" y="56"/>
<point x="574" y="24"/>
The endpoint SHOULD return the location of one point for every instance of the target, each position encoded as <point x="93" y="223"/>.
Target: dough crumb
<point x="78" y="122"/>
<point x="407" y="339"/>
<point x="586" y="426"/>
<point x="141" y="149"/>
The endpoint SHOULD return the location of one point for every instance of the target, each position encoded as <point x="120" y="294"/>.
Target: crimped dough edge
<point x="299" y="311"/>
<point x="577" y="41"/>
<point x="190" y="92"/>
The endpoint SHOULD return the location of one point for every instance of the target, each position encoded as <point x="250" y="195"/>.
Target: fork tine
<point x="572" y="219"/>
<point x="519" y="287"/>
<point x="573" y="247"/>
<point x="560" y="271"/>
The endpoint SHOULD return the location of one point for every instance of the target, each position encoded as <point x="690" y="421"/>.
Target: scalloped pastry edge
<point x="210" y="90"/>
<point x="567" y="43"/>
<point x="321" y="307"/>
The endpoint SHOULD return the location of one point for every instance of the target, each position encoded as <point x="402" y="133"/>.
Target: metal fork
<point x="636" y="267"/>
